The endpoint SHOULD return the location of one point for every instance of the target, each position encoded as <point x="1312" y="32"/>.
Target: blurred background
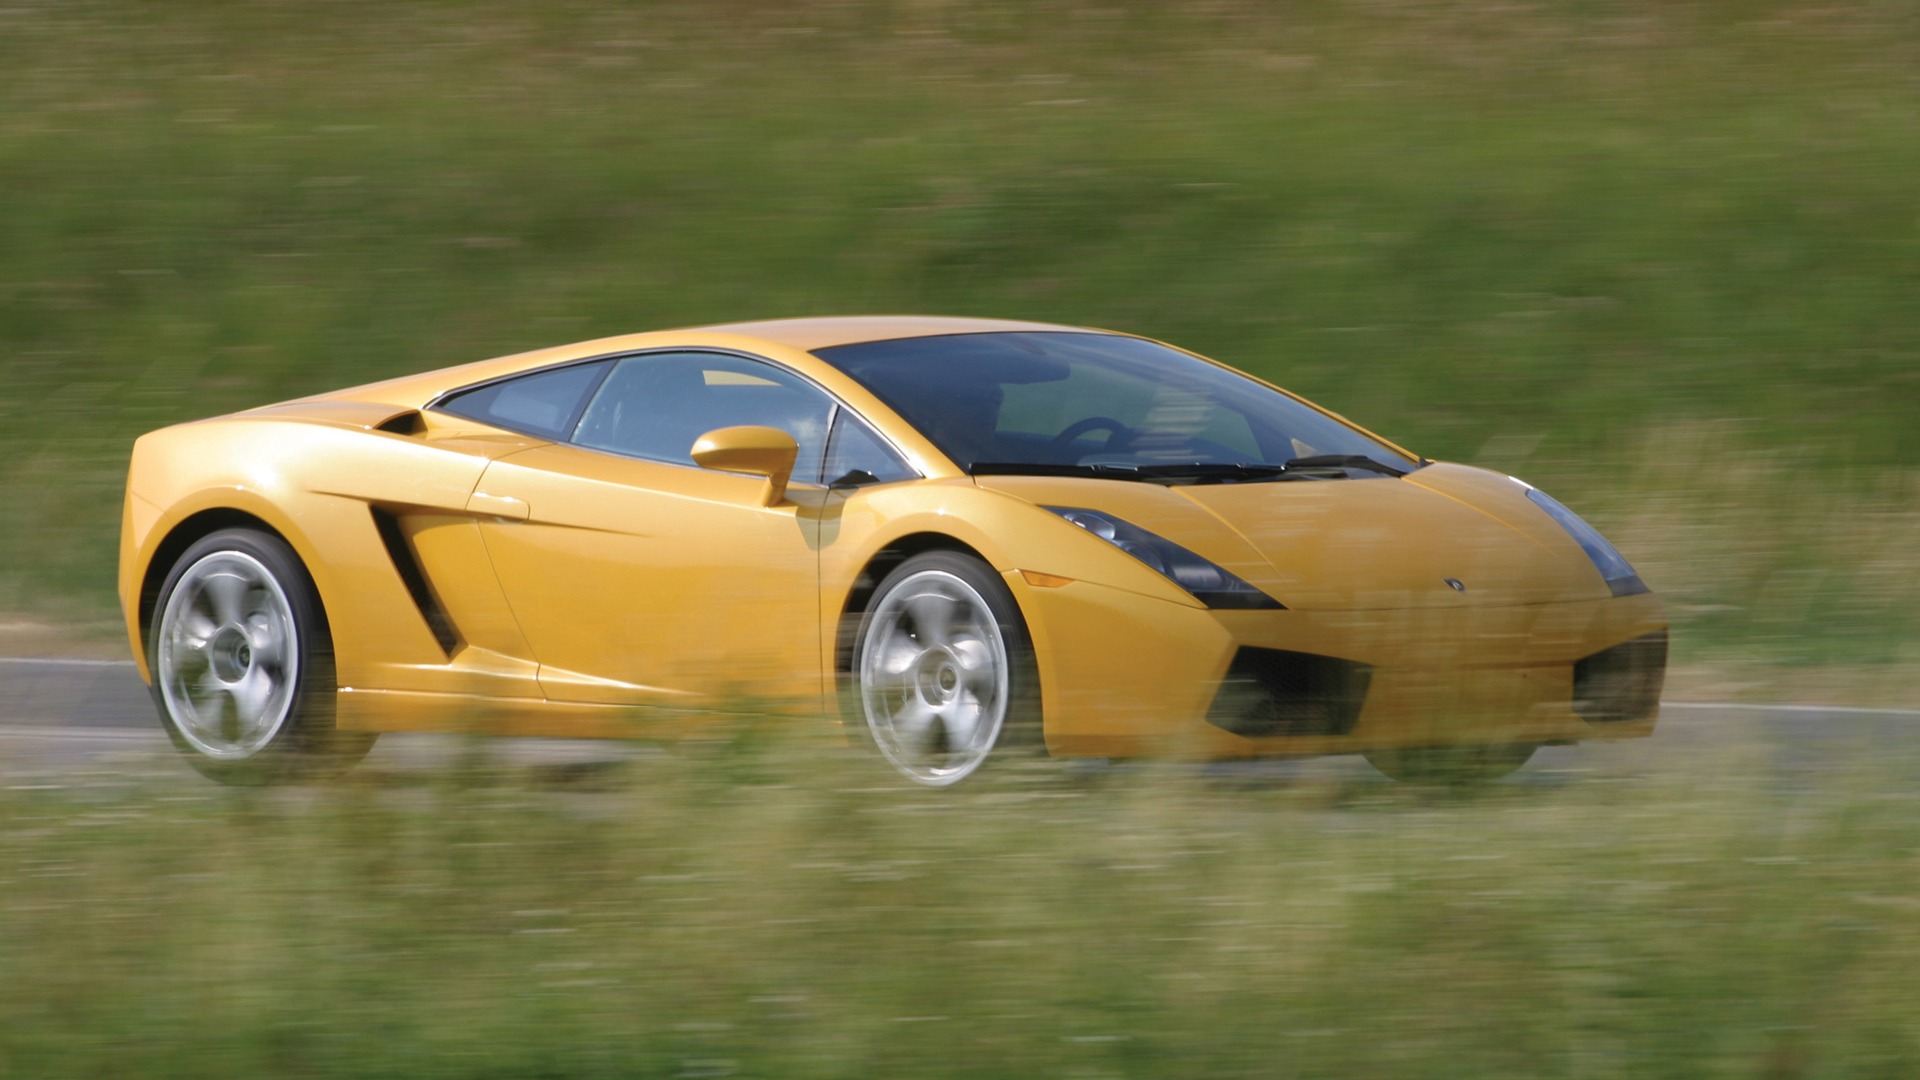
<point x="1659" y="258"/>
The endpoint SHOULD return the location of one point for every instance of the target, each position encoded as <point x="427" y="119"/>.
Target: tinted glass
<point x="655" y="406"/>
<point x="854" y="448"/>
<point x="545" y="403"/>
<point x="1075" y="399"/>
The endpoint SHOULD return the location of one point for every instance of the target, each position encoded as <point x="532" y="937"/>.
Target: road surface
<point x="60" y="715"/>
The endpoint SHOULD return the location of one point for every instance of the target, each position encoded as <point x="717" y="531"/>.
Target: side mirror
<point x="756" y="451"/>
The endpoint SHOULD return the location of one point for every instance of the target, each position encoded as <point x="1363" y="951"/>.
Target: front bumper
<point x="1125" y="675"/>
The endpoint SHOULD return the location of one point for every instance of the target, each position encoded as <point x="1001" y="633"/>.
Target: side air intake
<point x="401" y="552"/>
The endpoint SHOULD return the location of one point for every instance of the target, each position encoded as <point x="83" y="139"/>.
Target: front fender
<point x="1010" y="533"/>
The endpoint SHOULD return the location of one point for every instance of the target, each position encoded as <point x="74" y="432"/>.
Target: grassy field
<point x="1660" y="258"/>
<point x="768" y="907"/>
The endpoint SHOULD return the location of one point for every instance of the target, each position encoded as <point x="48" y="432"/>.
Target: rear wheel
<point x="243" y="665"/>
<point x="1454" y="766"/>
<point x="942" y="669"/>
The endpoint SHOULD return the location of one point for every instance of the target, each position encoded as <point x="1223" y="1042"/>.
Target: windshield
<point x="1053" y="402"/>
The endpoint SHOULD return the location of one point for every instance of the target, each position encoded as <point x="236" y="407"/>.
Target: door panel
<point x="646" y="583"/>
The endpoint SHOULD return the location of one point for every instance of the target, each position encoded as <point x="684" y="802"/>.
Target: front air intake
<point x="1621" y="683"/>
<point x="1269" y="692"/>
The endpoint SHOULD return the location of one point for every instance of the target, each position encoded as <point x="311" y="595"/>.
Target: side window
<point x="853" y="447"/>
<point x="655" y="405"/>
<point x="545" y="403"/>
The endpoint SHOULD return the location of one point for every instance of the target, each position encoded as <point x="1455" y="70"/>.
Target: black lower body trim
<point x="1269" y="692"/>
<point x="1621" y="683"/>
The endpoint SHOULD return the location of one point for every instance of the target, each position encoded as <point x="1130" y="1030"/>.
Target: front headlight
<point x="1618" y="573"/>
<point x="1209" y="584"/>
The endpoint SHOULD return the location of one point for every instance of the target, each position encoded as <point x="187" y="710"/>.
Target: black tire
<point x="242" y="664"/>
<point x="966" y="687"/>
<point x="1451" y="766"/>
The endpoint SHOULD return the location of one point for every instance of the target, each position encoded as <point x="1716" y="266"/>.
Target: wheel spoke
<point x="892" y="688"/>
<point x="195" y="631"/>
<point x="913" y="723"/>
<point x="208" y="699"/>
<point x="897" y="656"/>
<point x="227" y="593"/>
<point x="208" y="702"/>
<point x="961" y="718"/>
<point x="233" y="726"/>
<point x="264" y="637"/>
<point x="190" y="660"/>
<point x="933" y="615"/>
<point x="250" y="696"/>
<point x="977" y="671"/>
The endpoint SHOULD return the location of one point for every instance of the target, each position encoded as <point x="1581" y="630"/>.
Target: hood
<point x="1354" y="545"/>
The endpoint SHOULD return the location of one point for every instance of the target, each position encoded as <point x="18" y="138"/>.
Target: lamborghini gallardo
<point x="959" y="539"/>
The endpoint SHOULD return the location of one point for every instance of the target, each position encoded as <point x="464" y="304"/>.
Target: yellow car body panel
<point x="640" y="582"/>
<point x="475" y="578"/>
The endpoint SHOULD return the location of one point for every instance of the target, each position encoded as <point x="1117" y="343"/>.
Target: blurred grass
<point x="1660" y="258"/>
<point x="770" y="907"/>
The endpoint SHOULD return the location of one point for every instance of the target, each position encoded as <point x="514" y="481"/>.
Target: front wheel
<point x="942" y="668"/>
<point x="243" y="665"/>
<point x="1455" y="766"/>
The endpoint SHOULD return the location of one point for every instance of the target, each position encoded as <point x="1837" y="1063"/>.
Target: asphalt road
<point x="64" y="714"/>
<point x="68" y="717"/>
<point x="73" y="693"/>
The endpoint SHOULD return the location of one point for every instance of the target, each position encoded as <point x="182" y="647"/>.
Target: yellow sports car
<point x="957" y="535"/>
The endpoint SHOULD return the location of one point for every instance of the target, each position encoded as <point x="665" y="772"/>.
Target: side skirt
<point x="472" y="714"/>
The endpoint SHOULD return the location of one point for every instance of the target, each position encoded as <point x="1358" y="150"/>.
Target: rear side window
<point x="546" y="403"/>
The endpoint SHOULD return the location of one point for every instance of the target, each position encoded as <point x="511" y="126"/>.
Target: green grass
<point x="1659" y="258"/>
<point x="1662" y="259"/>
<point x="770" y="907"/>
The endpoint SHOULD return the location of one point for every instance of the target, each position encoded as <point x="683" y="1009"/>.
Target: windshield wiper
<point x="1344" y="461"/>
<point x="1035" y="468"/>
<point x="1205" y="472"/>
<point x="1192" y="472"/>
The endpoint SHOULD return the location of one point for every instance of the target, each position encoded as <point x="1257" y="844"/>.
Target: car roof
<point x="803" y="335"/>
<point x="827" y="331"/>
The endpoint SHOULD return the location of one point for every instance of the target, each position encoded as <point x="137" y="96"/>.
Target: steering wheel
<point x="1119" y="432"/>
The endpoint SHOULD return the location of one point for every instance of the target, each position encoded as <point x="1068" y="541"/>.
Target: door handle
<point x="502" y="506"/>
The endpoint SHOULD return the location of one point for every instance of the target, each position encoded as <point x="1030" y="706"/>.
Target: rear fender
<point x="315" y="485"/>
